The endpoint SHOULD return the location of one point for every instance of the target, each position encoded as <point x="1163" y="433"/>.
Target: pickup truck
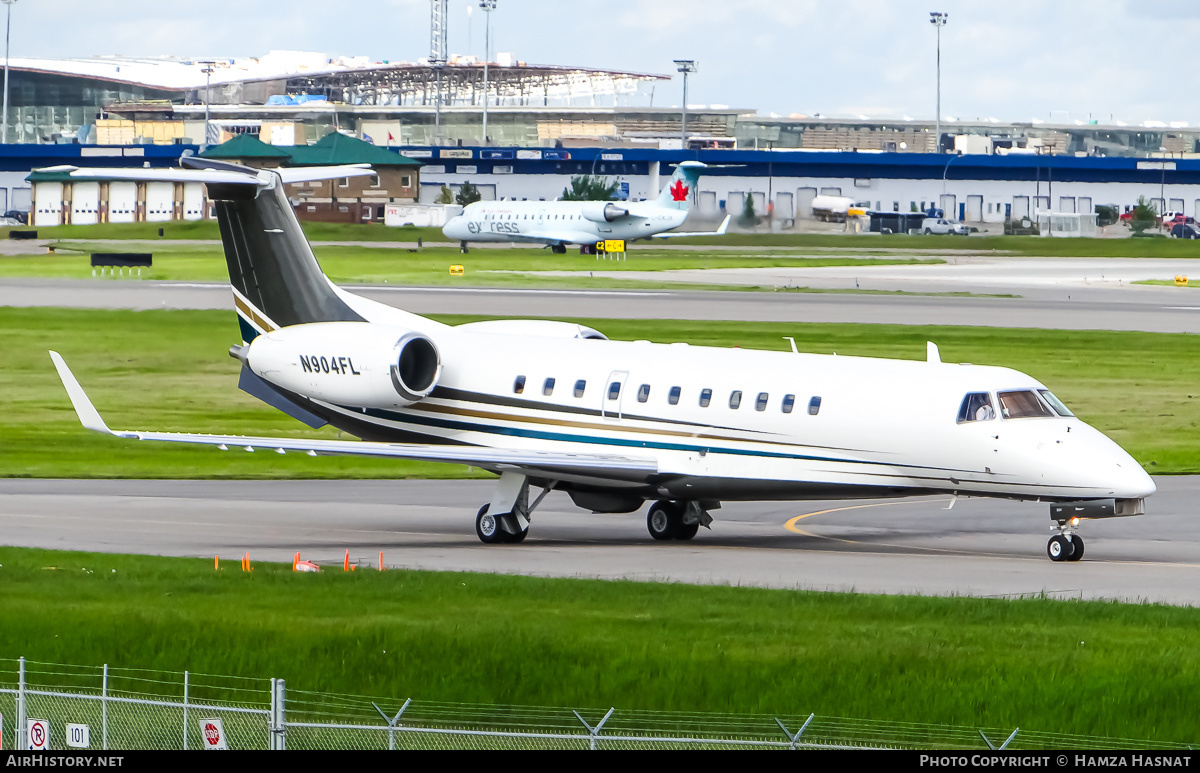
<point x="940" y="225"/>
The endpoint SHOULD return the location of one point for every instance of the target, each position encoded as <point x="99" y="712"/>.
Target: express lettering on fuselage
<point x="340" y="365"/>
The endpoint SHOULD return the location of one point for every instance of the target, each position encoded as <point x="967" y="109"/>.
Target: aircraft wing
<point x="495" y="459"/>
<point x="676" y="234"/>
<point x="555" y="237"/>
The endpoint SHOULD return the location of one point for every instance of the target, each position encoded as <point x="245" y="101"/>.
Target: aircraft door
<point x="613" y="394"/>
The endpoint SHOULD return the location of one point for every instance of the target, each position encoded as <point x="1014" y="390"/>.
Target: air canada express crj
<point x="559" y="223"/>
<point x="616" y="424"/>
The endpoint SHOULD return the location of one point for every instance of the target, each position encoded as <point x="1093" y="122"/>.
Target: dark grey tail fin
<point x="275" y="276"/>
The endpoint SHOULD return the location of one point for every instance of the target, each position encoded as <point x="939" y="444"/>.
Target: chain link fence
<point x="126" y="709"/>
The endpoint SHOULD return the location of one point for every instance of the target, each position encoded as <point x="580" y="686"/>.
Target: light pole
<point x="7" y="27"/>
<point x="938" y="19"/>
<point x="684" y="66"/>
<point x="488" y="6"/>
<point x="208" y="71"/>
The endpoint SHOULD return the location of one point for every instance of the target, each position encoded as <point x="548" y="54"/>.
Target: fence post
<point x="594" y="732"/>
<point x="185" y="710"/>
<point x="391" y="722"/>
<point x="795" y="738"/>
<point x="278" y="740"/>
<point x="104" y="709"/>
<point x="22" y="725"/>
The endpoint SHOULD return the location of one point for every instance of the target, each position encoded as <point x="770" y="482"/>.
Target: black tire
<point x="487" y="527"/>
<point x="928" y="232"/>
<point x="558" y="249"/>
<point x="663" y="520"/>
<point x="516" y="539"/>
<point x="1077" y="547"/>
<point x="1059" y="548"/>
<point x="687" y="530"/>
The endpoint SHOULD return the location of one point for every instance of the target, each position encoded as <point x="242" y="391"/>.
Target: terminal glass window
<point x="519" y="385"/>
<point x="705" y="397"/>
<point x="673" y="395"/>
<point x="1055" y="403"/>
<point x="976" y="406"/>
<point x="580" y="385"/>
<point x="548" y="387"/>
<point x="1022" y="404"/>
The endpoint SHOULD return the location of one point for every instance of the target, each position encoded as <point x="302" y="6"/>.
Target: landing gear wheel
<point x="487" y="527"/>
<point x="516" y="539"/>
<point x="687" y="530"/>
<point x="663" y="520"/>
<point x="1077" y="544"/>
<point x="1060" y="548"/>
<point x="558" y="249"/>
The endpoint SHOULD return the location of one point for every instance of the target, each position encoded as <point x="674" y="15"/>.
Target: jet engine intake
<point x="417" y="367"/>
<point x="603" y="211"/>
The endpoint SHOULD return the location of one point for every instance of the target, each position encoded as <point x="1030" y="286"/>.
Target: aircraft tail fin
<point x="680" y="191"/>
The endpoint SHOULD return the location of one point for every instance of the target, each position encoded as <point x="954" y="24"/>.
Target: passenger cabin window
<point x="548" y="387"/>
<point x="673" y="395"/>
<point x="814" y="406"/>
<point x="735" y="399"/>
<point x="580" y="385"/>
<point x="643" y="393"/>
<point x="705" y="397"/>
<point x="976" y="406"/>
<point x="1055" y="403"/>
<point x="1022" y="404"/>
<point x="788" y="402"/>
<point x="761" y="403"/>
<point x="519" y="385"/>
<point x="614" y="390"/>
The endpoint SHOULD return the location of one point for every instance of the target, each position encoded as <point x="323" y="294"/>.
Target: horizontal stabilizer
<point x="225" y="174"/>
<point x="676" y="234"/>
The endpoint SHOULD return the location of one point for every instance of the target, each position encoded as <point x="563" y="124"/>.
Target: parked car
<point x="940" y="225"/>
<point x="1176" y="218"/>
<point x="1185" y="230"/>
<point x="18" y="215"/>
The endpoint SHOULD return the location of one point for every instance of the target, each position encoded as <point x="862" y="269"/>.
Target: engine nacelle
<point x="348" y="363"/>
<point x="603" y="211"/>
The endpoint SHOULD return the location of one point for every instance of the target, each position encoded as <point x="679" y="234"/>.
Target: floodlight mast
<point x="7" y="28"/>
<point x="488" y="6"/>
<point x="684" y="66"/>
<point x="938" y="19"/>
<point x="437" y="58"/>
<point x="208" y="71"/>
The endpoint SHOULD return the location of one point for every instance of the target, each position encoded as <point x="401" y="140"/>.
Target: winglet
<point x="87" y="413"/>
<point x="724" y="226"/>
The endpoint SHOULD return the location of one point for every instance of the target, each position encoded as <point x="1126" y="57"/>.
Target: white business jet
<point x="557" y="406"/>
<point x="559" y="223"/>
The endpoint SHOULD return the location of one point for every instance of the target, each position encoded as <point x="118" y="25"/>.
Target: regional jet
<point x="559" y="223"/>
<point x="551" y="405"/>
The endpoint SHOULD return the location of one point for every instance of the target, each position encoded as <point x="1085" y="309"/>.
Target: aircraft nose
<point x="452" y="229"/>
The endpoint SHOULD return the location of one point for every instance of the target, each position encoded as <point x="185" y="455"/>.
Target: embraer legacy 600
<point x="559" y="223"/>
<point x="555" y="405"/>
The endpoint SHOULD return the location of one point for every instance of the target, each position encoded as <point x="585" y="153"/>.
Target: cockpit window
<point x="976" y="406"/>
<point x="1055" y="403"/>
<point x="1022" y="404"/>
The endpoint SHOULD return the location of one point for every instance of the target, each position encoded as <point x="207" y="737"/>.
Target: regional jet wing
<point x="676" y="234"/>
<point x="495" y="459"/>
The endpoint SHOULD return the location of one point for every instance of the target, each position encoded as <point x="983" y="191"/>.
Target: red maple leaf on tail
<point x="679" y="191"/>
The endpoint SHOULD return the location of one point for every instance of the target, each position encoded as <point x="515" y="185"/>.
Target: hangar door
<point x="122" y="202"/>
<point x="804" y="200"/>
<point x="708" y="203"/>
<point x="1020" y="207"/>
<point x="1066" y="203"/>
<point x="48" y="206"/>
<point x="784" y="208"/>
<point x="974" y="208"/>
<point x="735" y="202"/>
<point x="85" y="203"/>
<point x="1085" y="205"/>
<point x="948" y="203"/>
<point x="160" y="201"/>
<point x="193" y="201"/>
<point x="22" y="199"/>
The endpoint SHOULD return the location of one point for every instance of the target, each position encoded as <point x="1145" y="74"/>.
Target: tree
<point x="446" y="196"/>
<point x="1106" y="215"/>
<point x="467" y="194"/>
<point x="587" y="188"/>
<point x="1145" y="215"/>
<point x="748" y="218"/>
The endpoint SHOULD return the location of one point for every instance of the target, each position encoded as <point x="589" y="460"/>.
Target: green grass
<point x="428" y="266"/>
<point x="170" y="371"/>
<point x="1074" y="667"/>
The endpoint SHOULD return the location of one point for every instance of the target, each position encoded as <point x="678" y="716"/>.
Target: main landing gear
<point x="505" y="520"/>
<point x="669" y="519"/>
<point x="1066" y="545"/>
<point x="558" y="249"/>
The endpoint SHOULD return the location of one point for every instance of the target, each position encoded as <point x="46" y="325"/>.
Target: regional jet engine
<point x="347" y="363"/>
<point x="603" y="211"/>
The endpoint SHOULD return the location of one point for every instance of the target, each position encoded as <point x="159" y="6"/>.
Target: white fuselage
<point x="883" y="427"/>
<point x="558" y="222"/>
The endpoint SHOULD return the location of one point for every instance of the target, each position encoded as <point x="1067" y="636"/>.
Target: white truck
<point x="833" y="209"/>
<point x="940" y="225"/>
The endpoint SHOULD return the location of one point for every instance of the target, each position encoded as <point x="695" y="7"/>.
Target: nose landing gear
<point x="1066" y="545"/>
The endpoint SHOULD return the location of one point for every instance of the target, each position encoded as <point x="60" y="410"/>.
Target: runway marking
<point x="791" y="523"/>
